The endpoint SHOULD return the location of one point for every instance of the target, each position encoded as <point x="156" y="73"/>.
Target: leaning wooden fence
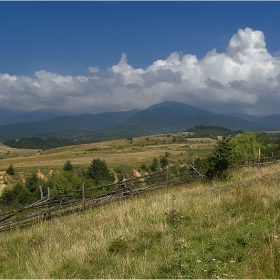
<point x="87" y="197"/>
<point x="79" y="200"/>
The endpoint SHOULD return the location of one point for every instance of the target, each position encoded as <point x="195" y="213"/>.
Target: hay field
<point x="125" y="153"/>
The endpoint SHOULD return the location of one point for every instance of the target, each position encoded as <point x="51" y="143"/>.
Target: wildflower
<point x="174" y="211"/>
<point x="198" y="261"/>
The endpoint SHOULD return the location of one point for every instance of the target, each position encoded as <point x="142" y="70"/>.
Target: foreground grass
<point x="221" y="230"/>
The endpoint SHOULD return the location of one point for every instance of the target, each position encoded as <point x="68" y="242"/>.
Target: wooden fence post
<point x="41" y="192"/>
<point x="166" y="176"/>
<point x="49" y="200"/>
<point x="83" y="198"/>
<point x="131" y="182"/>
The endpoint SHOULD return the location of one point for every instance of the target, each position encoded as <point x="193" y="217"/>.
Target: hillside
<point x="200" y="231"/>
<point x="159" y="118"/>
<point x="64" y="126"/>
<point x="270" y="120"/>
<point x="175" y="116"/>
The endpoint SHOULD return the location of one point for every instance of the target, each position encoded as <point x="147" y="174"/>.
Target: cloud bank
<point x="246" y="78"/>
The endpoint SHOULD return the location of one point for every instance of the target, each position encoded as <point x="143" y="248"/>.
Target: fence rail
<point x="87" y="197"/>
<point x="50" y="207"/>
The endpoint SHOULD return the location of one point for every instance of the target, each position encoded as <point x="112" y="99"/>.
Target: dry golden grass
<point x="123" y="153"/>
<point x="234" y="233"/>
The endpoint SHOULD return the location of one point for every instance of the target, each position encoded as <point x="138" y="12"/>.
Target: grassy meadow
<point x="126" y="154"/>
<point x="200" y="230"/>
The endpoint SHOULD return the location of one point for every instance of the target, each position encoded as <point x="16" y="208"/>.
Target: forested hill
<point x="38" y="143"/>
<point x="160" y="118"/>
<point x="211" y="131"/>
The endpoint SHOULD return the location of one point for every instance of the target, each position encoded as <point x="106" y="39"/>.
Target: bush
<point x="154" y="166"/>
<point x="10" y="170"/>
<point x="59" y="185"/>
<point x="33" y="182"/>
<point x="144" y="167"/>
<point x="68" y="166"/>
<point x="163" y="162"/>
<point x="17" y="195"/>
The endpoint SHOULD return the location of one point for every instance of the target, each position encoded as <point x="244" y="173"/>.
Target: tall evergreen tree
<point x="154" y="166"/>
<point x="98" y="171"/>
<point x="220" y="160"/>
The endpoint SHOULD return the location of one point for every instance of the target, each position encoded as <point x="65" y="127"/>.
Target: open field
<point x="222" y="230"/>
<point x="125" y="153"/>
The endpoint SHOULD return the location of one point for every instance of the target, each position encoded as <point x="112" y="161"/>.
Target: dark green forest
<point x="211" y="131"/>
<point x="38" y="143"/>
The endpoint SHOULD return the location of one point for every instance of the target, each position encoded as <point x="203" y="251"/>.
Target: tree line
<point x="38" y="143"/>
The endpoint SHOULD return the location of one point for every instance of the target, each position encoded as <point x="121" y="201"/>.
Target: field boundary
<point x="85" y="198"/>
<point x="50" y="207"/>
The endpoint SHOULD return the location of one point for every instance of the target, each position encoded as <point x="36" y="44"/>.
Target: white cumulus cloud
<point x="244" y="78"/>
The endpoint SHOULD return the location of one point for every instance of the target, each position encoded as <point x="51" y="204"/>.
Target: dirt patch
<point x="3" y="181"/>
<point x="41" y="175"/>
<point x="136" y="173"/>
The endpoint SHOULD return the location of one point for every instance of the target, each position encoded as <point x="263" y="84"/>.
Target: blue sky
<point x="109" y="56"/>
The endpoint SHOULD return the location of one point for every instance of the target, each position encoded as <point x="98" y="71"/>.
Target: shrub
<point x="59" y="185"/>
<point x="68" y="166"/>
<point x="32" y="182"/>
<point x="163" y="162"/>
<point x="17" y="195"/>
<point x="154" y="166"/>
<point x="10" y="170"/>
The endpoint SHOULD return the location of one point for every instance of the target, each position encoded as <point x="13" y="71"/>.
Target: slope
<point x="175" y="116"/>
<point x="65" y="126"/>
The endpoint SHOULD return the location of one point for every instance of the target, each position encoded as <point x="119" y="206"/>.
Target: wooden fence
<point x="258" y="161"/>
<point x="87" y="197"/>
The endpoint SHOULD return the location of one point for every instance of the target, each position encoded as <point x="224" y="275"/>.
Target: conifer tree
<point x="221" y="160"/>
<point x="10" y="170"/>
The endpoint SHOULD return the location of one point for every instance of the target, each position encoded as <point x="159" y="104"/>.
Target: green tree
<point x="155" y="164"/>
<point x="68" y="166"/>
<point x="98" y="171"/>
<point x="246" y="146"/>
<point x="10" y="170"/>
<point x="18" y="195"/>
<point x="21" y="193"/>
<point x="221" y="160"/>
<point x="75" y="180"/>
<point x="144" y="167"/>
<point x="59" y="185"/>
<point x="7" y="196"/>
<point x="32" y="182"/>
<point x="163" y="162"/>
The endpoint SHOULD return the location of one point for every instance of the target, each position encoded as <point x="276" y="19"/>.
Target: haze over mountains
<point x="160" y="118"/>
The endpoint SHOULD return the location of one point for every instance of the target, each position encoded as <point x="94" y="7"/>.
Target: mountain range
<point x="160" y="118"/>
